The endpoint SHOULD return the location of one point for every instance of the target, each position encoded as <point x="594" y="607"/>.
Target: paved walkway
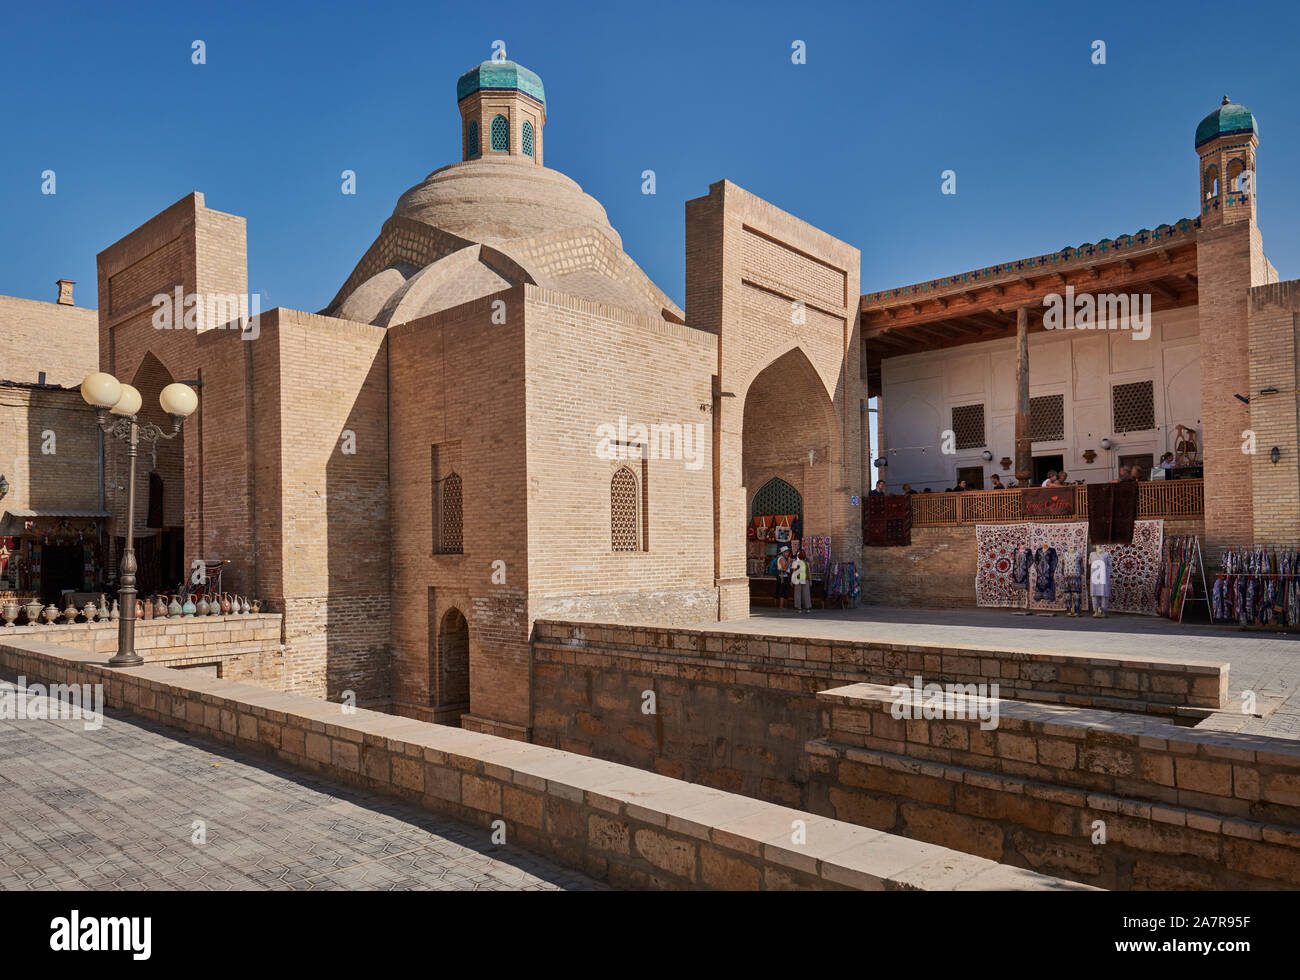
<point x="113" y="809"/>
<point x="1266" y="663"/>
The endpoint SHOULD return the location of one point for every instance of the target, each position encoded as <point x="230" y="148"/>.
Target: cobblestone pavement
<point x="113" y="809"/>
<point x="1266" y="663"/>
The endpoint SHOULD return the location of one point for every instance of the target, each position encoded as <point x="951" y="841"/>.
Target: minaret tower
<point x="1229" y="260"/>
<point x="502" y="112"/>
<point x="1226" y="141"/>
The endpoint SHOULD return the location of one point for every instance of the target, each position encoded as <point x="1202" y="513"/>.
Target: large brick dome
<point x="502" y="198"/>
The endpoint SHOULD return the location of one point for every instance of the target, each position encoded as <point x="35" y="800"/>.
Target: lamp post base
<point x="126" y="660"/>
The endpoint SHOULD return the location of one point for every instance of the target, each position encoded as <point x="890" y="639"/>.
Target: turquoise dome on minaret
<point x="501" y="76"/>
<point x="1229" y="119"/>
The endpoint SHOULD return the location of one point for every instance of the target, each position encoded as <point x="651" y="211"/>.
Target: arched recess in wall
<point x="451" y="673"/>
<point x="789" y="433"/>
<point x="1211" y="187"/>
<point x="159" y="489"/>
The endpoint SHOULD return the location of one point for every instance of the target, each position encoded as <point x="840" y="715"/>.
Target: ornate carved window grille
<point x="968" y="426"/>
<point x="526" y="141"/>
<point x="450" y="526"/>
<point x="624" y="526"/>
<point x="1133" y="406"/>
<point x="500" y="133"/>
<point x="1047" y="418"/>
<point x="775" y="498"/>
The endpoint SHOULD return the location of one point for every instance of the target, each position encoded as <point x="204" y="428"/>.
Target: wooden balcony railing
<point x="1156" y="498"/>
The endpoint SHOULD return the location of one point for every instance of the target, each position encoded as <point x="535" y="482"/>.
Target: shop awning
<point x="13" y="520"/>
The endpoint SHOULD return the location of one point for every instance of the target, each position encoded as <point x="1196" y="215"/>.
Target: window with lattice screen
<point x="500" y="133"/>
<point x="471" y="139"/>
<point x="1047" y="418"/>
<point x="776" y="498"/>
<point x="450" y="521"/>
<point x="1133" y="406"/>
<point x="624" y="526"/>
<point x="526" y="140"/>
<point x="968" y="426"/>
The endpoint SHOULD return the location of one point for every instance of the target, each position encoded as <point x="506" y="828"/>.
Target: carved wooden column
<point x="1024" y="444"/>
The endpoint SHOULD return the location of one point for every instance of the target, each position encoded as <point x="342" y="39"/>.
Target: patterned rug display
<point x="995" y="545"/>
<point x="1135" y="569"/>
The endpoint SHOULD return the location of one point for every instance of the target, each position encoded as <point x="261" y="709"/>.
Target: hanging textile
<point x="1258" y="586"/>
<point x="1135" y="567"/>
<point x="1048" y="501"/>
<point x="995" y="561"/>
<point x="887" y="520"/>
<point x="1112" y="510"/>
<point x="818" y="547"/>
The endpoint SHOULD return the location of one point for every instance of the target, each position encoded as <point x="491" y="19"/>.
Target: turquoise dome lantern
<point x="1229" y="119"/>
<point x="501" y="76"/>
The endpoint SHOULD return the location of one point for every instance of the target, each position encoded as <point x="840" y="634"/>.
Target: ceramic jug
<point x="201" y="607"/>
<point x="115" y="613"/>
<point x="10" y="612"/>
<point x="33" y="610"/>
<point x="89" y="611"/>
<point x="226" y="604"/>
<point x="104" y="611"/>
<point x="70" y="614"/>
<point x="173" y="608"/>
<point x="143" y="610"/>
<point x="51" y="613"/>
<point x="159" y="607"/>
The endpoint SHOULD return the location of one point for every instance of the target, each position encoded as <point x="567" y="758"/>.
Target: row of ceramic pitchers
<point x="225" y="604"/>
<point x="10" y="610"/>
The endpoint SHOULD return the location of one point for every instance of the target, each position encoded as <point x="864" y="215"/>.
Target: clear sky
<point x="1049" y="149"/>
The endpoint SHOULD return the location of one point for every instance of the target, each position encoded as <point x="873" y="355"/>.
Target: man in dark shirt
<point x="879" y="491"/>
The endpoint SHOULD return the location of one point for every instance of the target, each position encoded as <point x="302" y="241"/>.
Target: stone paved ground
<point x="112" y="810"/>
<point x="1266" y="663"/>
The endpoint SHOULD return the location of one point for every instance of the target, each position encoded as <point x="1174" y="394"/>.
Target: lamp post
<point x="110" y="397"/>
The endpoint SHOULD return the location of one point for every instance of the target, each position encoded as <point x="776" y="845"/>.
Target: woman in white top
<point x="802" y="587"/>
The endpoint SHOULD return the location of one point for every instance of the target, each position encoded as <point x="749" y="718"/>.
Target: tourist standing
<point x="802" y="588"/>
<point x="783" y="567"/>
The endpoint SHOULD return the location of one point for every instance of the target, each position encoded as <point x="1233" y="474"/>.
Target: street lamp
<point x="110" y="397"/>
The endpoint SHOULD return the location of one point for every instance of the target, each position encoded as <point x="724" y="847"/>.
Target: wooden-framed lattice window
<point x="1047" y="418"/>
<point x="624" y="511"/>
<point x="1133" y="406"/>
<point x="968" y="426"/>
<point x="776" y="498"/>
<point x="450" y="535"/>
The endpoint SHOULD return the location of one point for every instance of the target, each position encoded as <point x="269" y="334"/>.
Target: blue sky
<point x="1049" y="149"/>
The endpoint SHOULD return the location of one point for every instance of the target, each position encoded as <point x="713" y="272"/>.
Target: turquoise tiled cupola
<point x="1229" y="119"/>
<point x="501" y="76"/>
<point x="502" y="109"/>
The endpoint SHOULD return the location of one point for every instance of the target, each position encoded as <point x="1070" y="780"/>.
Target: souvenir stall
<point x="1258" y="587"/>
<point x="46" y="557"/>
<point x="1037" y="567"/>
<point x="831" y="582"/>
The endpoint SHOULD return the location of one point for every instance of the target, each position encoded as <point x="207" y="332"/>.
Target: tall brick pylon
<point x="1230" y="259"/>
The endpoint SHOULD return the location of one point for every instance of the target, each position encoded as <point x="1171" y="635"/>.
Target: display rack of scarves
<point x="1177" y="560"/>
<point x="842" y="582"/>
<point x="1258" y="586"/>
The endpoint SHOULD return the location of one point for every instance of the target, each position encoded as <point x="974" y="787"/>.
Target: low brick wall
<point x="1099" y="680"/>
<point x="1181" y="808"/>
<point x="614" y="822"/>
<point x="238" y="648"/>
<point x="937" y="570"/>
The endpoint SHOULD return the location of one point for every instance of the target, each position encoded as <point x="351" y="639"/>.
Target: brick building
<point x="1183" y="341"/>
<point x="51" y="511"/>
<point x="499" y="418"/>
